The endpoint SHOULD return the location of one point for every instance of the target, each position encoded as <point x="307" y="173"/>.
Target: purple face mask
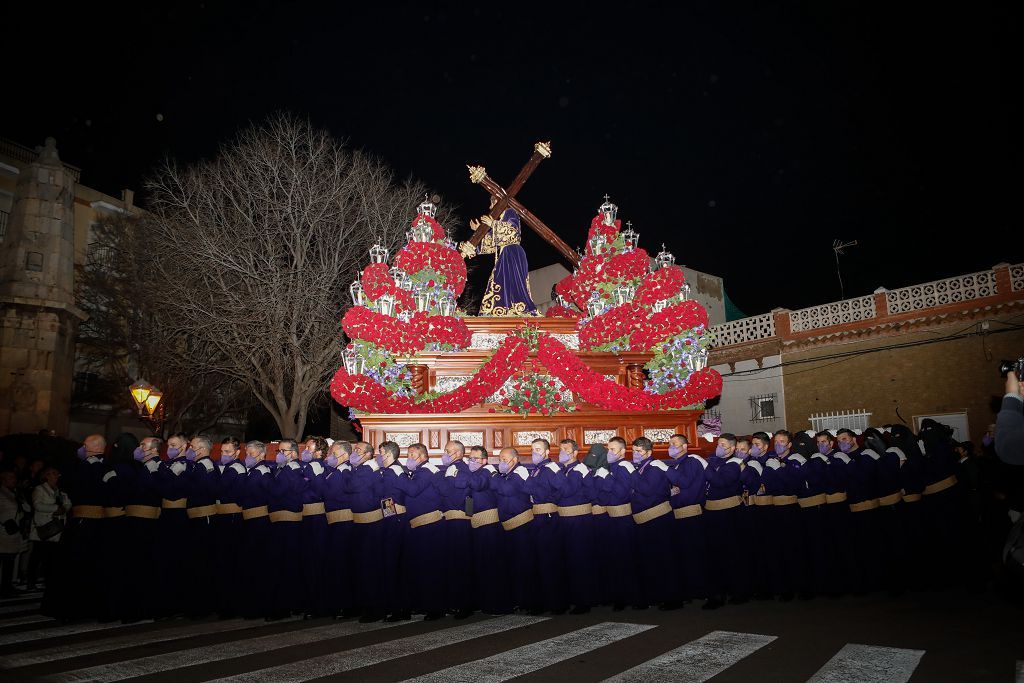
<point x="674" y="451"/>
<point x="986" y="440"/>
<point x="538" y="458"/>
<point x="379" y="459"/>
<point x="474" y="465"/>
<point x="411" y="464"/>
<point x="755" y="451"/>
<point x="446" y="460"/>
<point x="846" y="446"/>
<point x="281" y="458"/>
<point x="227" y="458"/>
<point x="780" y="448"/>
<point x="331" y="460"/>
<point x="173" y="453"/>
<point x="564" y="457"/>
<point x="638" y="457"/>
<point x="720" y="451"/>
<point x="824" y="448"/>
<point x="190" y="454"/>
<point x="81" y="452"/>
<point x="503" y="467"/>
<point x="250" y="461"/>
<point x="306" y="455"/>
<point x="138" y="453"/>
<point x="614" y="457"/>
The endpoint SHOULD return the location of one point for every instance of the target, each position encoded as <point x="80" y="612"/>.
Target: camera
<point x="1017" y="366"/>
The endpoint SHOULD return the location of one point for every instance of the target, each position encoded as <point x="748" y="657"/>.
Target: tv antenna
<point x="837" y="247"/>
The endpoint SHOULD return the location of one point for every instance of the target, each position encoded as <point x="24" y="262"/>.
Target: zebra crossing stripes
<point x="213" y="653"/>
<point x="328" y="665"/>
<point x="697" y="660"/>
<point x="869" y="664"/>
<point x="535" y="656"/>
<point x="59" y="652"/>
<point x="59" y="631"/>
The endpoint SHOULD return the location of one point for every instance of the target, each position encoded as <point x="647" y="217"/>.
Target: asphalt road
<point x="937" y="636"/>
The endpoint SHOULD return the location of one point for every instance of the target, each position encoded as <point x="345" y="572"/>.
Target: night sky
<point x="748" y="137"/>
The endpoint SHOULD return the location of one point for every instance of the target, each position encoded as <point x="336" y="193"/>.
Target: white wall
<point x="739" y="385"/>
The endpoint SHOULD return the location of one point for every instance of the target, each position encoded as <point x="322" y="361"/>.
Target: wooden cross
<point x="506" y="199"/>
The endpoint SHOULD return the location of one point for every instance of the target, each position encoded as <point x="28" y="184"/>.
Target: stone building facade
<point x="45" y="219"/>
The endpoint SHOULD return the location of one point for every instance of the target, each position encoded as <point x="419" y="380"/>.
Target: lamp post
<point x="149" y="402"/>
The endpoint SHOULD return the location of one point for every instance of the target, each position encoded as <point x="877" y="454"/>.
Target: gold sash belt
<point x="722" y="503"/>
<point x="688" y="511"/>
<point x="576" y="510"/>
<point x="524" y="517"/>
<point x="143" y="511"/>
<point x="485" y="518"/>
<point x="255" y="513"/>
<point x="425" y="519"/>
<point x="653" y="513"/>
<point x="942" y="485"/>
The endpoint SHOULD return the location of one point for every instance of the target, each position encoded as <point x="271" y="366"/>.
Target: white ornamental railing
<point x="744" y="330"/>
<point x="846" y="419"/>
<point x="837" y="313"/>
<point x="1017" y="277"/>
<point x="941" y="292"/>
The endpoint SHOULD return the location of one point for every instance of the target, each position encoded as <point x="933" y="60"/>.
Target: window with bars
<point x="762" y="407"/>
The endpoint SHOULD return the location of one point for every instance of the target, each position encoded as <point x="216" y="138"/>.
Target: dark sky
<point x="748" y="137"/>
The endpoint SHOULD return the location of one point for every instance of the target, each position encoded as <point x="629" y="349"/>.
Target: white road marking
<point x="698" y="660"/>
<point x="535" y="656"/>
<point x="869" y="664"/>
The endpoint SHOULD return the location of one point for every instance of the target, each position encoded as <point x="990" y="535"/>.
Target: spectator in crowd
<point x="13" y="512"/>
<point x="50" y="507"/>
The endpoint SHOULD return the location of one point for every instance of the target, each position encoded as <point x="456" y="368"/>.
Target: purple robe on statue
<point x="508" y="288"/>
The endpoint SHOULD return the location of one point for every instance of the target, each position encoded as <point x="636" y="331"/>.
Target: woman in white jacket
<point x="49" y="503"/>
<point x="11" y="540"/>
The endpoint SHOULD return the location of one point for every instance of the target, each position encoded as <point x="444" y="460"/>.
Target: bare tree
<point x="251" y="255"/>
<point x="119" y="343"/>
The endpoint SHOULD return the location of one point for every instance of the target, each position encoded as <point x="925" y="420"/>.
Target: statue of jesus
<point x="508" y="288"/>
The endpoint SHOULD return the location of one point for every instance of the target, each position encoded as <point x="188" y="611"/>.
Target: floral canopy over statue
<point x="623" y="303"/>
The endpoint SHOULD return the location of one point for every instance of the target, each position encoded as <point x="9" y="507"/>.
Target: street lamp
<point x="140" y="392"/>
<point x="153" y="400"/>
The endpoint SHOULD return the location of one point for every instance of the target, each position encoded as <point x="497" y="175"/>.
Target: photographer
<point x="1010" y="421"/>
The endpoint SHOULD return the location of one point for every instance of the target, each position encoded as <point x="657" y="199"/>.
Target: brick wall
<point x="940" y="377"/>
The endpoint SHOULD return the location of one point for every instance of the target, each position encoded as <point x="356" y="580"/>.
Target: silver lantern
<point x="686" y="291"/>
<point x="379" y="253"/>
<point x="594" y="304"/>
<point x="427" y="208"/>
<point x="701" y="360"/>
<point x="357" y="292"/>
<point x="622" y="294"/>
<point x="447" y="304"/>
<point x="630" y="237"/>
<point x="664" y="259"/>
<point x="608" y="212"/>
<point x="422" y="298"/>
<point x="386" y="304"/>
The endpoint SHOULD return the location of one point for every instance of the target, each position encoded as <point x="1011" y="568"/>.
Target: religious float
<point x="623" y="352"/>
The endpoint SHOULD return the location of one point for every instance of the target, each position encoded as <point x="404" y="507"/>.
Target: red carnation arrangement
<point x="362" y="393"/>
<point x="447" y="263"/>
<point x="619" y="322"/>
<point x="563" y="312"/>
<point x="631" y="265"/>
<point x="668" y="323"/>
<point x="662" y="284"/>
<point x="602" y="392"/>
